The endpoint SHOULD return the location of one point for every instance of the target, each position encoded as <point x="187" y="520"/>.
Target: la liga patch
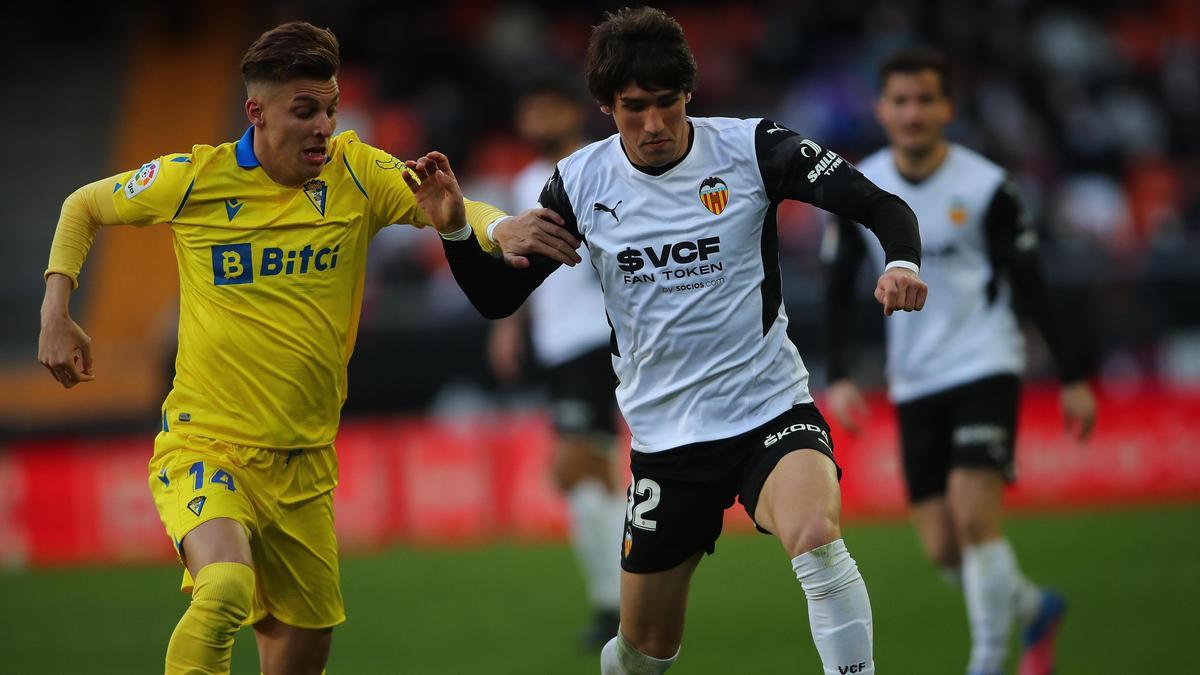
<point x="142" y="178"/>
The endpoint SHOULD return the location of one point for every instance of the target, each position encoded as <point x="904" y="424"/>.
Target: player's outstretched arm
<point x="63" y="348"/>
<point x="533" y="232"/>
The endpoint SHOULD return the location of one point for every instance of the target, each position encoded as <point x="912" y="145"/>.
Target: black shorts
<point x="971" y="425"/>
<point x="678" y="497"/>
<point x="583" y="397"/>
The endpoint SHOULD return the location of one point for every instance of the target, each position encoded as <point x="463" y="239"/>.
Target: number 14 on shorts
<point x="219" y="477"/>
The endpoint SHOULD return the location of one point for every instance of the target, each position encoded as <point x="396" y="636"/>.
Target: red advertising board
<point x="439" y="482"/>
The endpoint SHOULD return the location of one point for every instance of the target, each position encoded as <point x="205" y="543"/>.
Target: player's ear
<point x="606" y="109"/>
<point x="254" y="112"/>
<point x="687" y="97"/>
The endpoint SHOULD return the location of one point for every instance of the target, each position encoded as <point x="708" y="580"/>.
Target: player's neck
<point x="915" y="167"/>
<point x="271" y="168"/>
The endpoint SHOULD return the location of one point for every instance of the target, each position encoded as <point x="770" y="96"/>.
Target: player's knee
<point x="223" y="595"/>
<point x="943" y="553"/>
<point x="811" y="532"/>
<point x="973" y="528"/>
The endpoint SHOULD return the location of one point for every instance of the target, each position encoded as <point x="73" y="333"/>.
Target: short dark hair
<point x="294" y="50"/>
<point x="643" y="46"/>
<point x="914" y="60"/>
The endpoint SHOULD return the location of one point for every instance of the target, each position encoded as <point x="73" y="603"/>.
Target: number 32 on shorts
<point x="635" y="511"/>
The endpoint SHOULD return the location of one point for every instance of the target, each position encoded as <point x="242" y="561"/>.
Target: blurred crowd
<point x="1094" y="107"/>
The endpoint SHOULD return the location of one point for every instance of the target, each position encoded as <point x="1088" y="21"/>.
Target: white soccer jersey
<point x="701" y="335"/>
<point x="567" y="310"/>
<point x="687" y="259"/>
<point x="966" y="331"/>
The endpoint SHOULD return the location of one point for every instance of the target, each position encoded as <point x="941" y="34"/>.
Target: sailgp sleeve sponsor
<point x="798" y="168"/>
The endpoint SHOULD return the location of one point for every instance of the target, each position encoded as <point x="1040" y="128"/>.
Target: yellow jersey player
<point x="271" y="234"/>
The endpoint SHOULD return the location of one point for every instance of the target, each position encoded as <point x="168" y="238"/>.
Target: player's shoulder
<point x="875" y="162"/>
<point x="347" y="145"/>
<point x="720" y="124"/>
<point x="584" y="162"/>
<point x="970" y="164"/>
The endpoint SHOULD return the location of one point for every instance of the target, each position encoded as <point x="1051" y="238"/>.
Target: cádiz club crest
<point x="714" y="194"/>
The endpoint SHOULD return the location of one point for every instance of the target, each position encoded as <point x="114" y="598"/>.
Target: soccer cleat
<point x="1037" y="640"/>
<point x="602" y="629"/>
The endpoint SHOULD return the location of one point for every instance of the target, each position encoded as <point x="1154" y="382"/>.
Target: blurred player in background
<point x="570" y="339"/>
<point x="954" y="373"/>
<point x="679" y="217"/>
<point x="271" y="235"/>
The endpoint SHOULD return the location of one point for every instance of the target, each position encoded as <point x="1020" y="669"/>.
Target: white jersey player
<point x="954" y="374"/>
<point x="678" y="215"/>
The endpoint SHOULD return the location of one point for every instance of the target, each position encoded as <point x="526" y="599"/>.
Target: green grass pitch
<point x="1132" y="577"/>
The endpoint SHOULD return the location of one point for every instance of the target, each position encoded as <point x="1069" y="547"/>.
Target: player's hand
<point x="506" y="347"/>
<point x="847" y="404"/>
<point x="901" y="289"/>
<point x="536" y="232"/>
<point x="65" y="350"/>
<point x="1079" y="409"/>
<point x="436" y="189"/>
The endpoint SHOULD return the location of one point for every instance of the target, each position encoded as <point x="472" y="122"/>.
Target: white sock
<point x="597" y="519"/>
<point x="1028" y="599"/>
<point x="990" y="587"/>
<point x="619" y="658"/>
<point x="839" y="611"/>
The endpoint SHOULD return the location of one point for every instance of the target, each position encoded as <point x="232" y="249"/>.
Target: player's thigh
<point x="298" y="571"/>
<point x="983" y="424"/>
<point x="202" y="490"/>
<point x="925" y="446"/>
<point x="677" y="500"/>
<point x="582" y="407"/>
<point x="288" y="650"/>
<point x="580" y="457"/>
<point x="789" y="482"/>
<point x="653" y="608"/>
<point x="216" y="540"/>
<point x="800" y="502"/>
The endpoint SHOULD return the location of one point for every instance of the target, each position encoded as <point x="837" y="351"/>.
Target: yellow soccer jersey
<point x="271" y="282"/>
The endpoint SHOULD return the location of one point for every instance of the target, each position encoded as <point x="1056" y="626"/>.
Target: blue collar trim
<point x="244" y="150"/>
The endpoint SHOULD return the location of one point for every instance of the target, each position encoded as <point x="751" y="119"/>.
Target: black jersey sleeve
<point x="1012" y="243"/>
<point x="843" y="253"/>
<point x="793" y="167"/>
<point x="495" y="289"/>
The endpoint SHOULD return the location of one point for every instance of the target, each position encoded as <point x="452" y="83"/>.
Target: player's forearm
<point x="57" y="300"/>
<point x="479" y="216"/>
<point x="839" y="305"/>
<point x="83" y="214"/>
<point x="495" y="289"/>
<point x="895" y="226"/>
<point x="1032" y="293"/>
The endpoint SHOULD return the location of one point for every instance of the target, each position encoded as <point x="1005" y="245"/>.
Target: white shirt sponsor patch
<point x="142" y="178"/>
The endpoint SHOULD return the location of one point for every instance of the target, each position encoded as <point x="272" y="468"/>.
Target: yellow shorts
<point x="284" y="499"/>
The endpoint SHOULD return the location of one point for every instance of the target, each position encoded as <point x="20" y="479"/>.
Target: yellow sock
<point x="203" y="638"/>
